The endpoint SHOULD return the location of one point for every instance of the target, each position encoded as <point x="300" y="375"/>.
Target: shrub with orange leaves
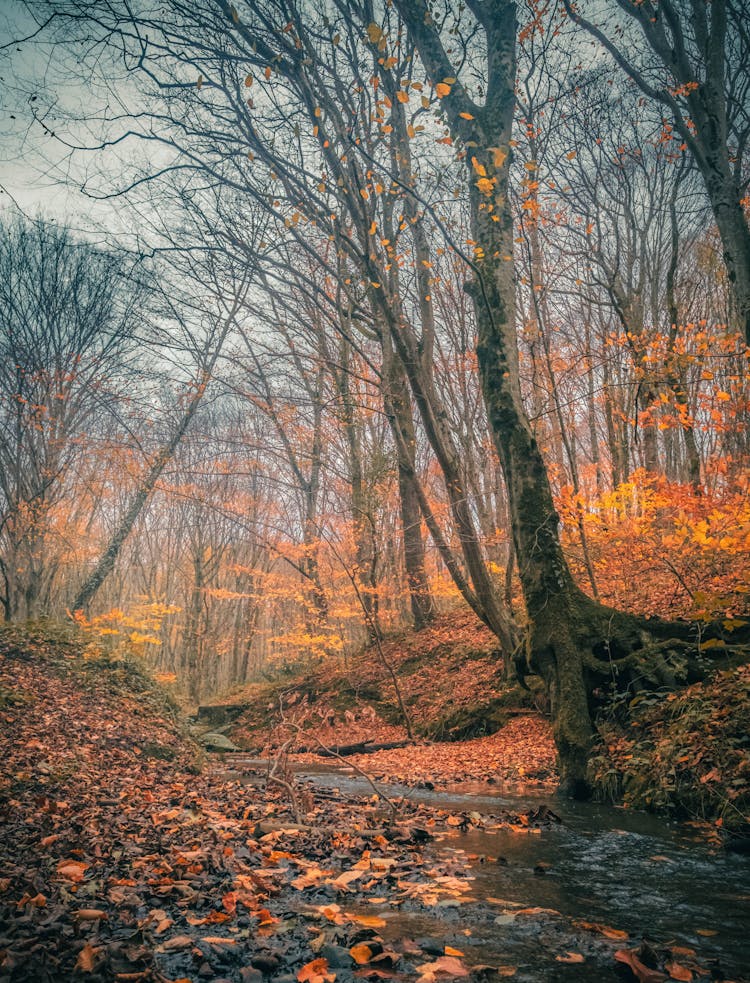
<point x="662" y="548"/>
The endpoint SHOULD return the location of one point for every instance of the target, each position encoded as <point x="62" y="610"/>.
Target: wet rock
<point x="249" y="974"/>
<point x="265" y="962"/>
<point x="433" y="947"/>
<point x="217" y="742"/>
<point x="336" y="955"/>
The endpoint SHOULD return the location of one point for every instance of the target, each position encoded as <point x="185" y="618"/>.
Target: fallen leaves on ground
<point x="120" y="861"/>
<point x="522" y="752"/>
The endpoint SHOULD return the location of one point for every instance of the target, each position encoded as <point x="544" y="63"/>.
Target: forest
<point x="374" y="389"/>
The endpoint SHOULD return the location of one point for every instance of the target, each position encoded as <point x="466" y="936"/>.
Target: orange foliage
<point x="662" y="548"/>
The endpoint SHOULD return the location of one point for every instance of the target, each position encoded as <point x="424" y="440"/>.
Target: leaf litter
<point x="121" y="860"/>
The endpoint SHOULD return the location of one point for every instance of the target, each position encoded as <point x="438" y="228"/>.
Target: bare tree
<point x="699" y="72"/>
<point x="68" y="319"/>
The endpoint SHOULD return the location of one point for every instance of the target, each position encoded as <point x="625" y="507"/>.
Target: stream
<point x="654" y="879"/>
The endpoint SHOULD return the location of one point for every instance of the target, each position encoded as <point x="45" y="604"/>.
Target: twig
<point x="334" y="754"/>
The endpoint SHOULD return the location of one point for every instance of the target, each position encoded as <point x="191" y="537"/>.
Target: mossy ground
<point x="684" y="752"/>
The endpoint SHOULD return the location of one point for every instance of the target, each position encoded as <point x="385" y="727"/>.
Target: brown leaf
<point x="445" y="964"/>
<point x="643" y="973"/>
<point x="605" y="930"/>
<point x="175" y="943"/>
<point x="38" y="901"/>
<point x="89" y="915"/>
<point x="72" y="870"/>
<point x="570" y="957"/>
<point x="678" y="972"/>
<point x="86" y="959"/>
<point x="346" y="878"/>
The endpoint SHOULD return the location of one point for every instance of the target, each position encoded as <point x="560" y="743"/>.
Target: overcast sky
<point x="37" y="172"/>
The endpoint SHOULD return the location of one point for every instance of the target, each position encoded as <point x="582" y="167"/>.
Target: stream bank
<point x="556" y="902"/>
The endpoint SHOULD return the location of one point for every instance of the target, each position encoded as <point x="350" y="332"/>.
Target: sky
<point x="38" y="174"/>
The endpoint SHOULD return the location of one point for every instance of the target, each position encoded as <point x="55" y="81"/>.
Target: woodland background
<point x="197" y="382"/>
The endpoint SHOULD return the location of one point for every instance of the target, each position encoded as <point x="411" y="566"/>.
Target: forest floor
<point x="126" y="855"/>
<point x="684" y="753"/>
<point x="469" y="723"/>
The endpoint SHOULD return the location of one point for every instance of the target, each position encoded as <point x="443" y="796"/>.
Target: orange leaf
<point x="442" y="90"/>
<point x="605" y="930"/>
<point x="369" y="921"/>
<point x="361" y="953"/>
<point x="450" y="951"/>
<point x="89" y="915"/>
<point x="402" y="96"/>
<point x="316" y="972"/>
<point x="570" y="957"/>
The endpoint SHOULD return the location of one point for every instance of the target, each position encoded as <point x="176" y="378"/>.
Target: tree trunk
<point x="398" y="408"/>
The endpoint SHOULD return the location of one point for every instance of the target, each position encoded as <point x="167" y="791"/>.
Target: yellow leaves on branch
<point x="137" y="628"/>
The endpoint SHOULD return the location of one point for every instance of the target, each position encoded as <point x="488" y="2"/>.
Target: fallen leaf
<point x="346" y="878"/>
<point x="89" y="915"/>
<point x="72" y="870"/>
<point x="644" y="973"/>
<point x="678" y="972"/>
<point x="361" y="953"/>
<point x="445" y="964"/>
<point x="316" y="972"/>
<point x="369" y="921"/>
<point x="607" y="931"/>
<point x="86" y="959"/>
<point x="175" y="943"/>
<point x="570" y="957"/>
<point x="38" y="901"/>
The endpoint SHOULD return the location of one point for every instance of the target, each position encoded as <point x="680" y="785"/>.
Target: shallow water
<point x="629" y="870"/>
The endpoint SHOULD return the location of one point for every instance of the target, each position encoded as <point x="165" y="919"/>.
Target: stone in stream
<point x="337" y="956"/>
<point x="217" y="742"/>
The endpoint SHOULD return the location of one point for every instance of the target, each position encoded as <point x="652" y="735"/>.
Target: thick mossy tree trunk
<point x="574" y="643"/>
